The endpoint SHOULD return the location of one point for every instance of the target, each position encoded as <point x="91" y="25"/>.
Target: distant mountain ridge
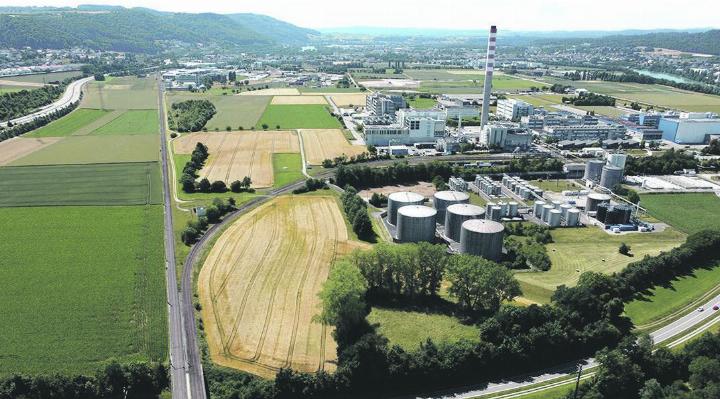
<point x="140" y="30"/>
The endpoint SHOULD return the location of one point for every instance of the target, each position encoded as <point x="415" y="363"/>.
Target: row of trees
<point x="213" y="213"/>
<point x="665" y="164"/>
<point x="311" y="185"/>
<point x="356" y="211"/>
<point x="713" y="148"/>
<point x="191" y="115"/>
<point x="190" y="171"/>
<point x="343" y="159"/>
<point x="24" y="102"/>
<point x="18" y="130"/>
<point x="136" y="380"/>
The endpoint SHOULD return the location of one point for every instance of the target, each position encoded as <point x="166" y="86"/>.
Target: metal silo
<point x="564" y="208"/>
<point x="416" y="223"/>
<point x="400" y="199"/>
<point x="573" y="217"/>
<point x="512" y="209"/>
<point x="594" y="199"/>
<point x="495" y="213"/>
<point x="554" y="218"/>
<point x="602" y="211"/>
<point x="443" y="199"/>
<point x="593" y="170"/>
<point x="503" y="208"/>
<point x="482" y="238"/>
<point x="611" y="176"/>
<point x="537" y="209"/>
<point x="556" y="204"/>
<point x="456" y="215"/>
<point x="488" y="207"/>
<point x="546" y="213"/>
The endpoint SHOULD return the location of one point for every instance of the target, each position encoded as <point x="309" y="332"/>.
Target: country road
<point x="72" y="93"/>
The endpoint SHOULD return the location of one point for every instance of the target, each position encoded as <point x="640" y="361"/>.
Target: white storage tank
<point x="618" y="160"/>
<point x="400" y="199"/>
<point x="416" y="223"/>
<point x="482" y="238"/>
<point x="564" y="208"/>
<point x="554" y="218"/>
<point x="495" y="213"/>
<point x="593" y="170"/>
<point x="512" y="209"/>
<point x="456" y="215"/>
<point x="556" y="204"/>
<point x="546" y="213"/>
<point x="537" y="209"/>
<point x="573" y="217"/>
<point x="443" y="199"/>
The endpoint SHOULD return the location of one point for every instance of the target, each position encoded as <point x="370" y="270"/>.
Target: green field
<point x="612" y="112"/>
<point x="81" y="285"/>
<point x="690" y="212"/>
<point x="329" y="90"/>
<point x="43" y="77"/>
<point x="121" y="93"/>
<point x="555" y="185"/>
<point x="577" y="250"/>
<point x="411" y="328"/>
<point x="9" y="89"/>
<point x="287" y="168"/>
<point x="663" y="302"/>
<point x="95" y="149"/>
<point x="421" y="103"/>
<point x="233" y="111"/>
<point x="540" y="100"/>
<point x="96" y="184"/>
<point x="69" y="124"/>
<point x="444" y="74"/>
<point x="500" y="82"/>
<point x="130" y="123"/>
<point x="298" y="117"/>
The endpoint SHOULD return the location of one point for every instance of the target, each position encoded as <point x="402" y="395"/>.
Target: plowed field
<point x="258" y="287"/>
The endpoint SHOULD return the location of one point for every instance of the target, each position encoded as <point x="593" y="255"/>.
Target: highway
<point x="72" y="93"/>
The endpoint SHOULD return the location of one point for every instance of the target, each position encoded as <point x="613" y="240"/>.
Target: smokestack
<point x="489" y="65"/>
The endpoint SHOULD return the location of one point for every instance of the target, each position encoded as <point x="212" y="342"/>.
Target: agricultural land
<point x="233" y="111"/>
<point x="258" y="286"/>
<point x="321" y="144"/>
<point x="298" y="117"/>
<point x="121" y="94"/>
<point x="19" y="147"/>
<point x="689" y="212"/>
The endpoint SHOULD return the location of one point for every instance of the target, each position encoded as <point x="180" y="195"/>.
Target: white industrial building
<point x="508" y="136"/>
<point x="378" y="104"/>
<point x="690" y="127"/>
<point x="513" y="109"/>
<point x="458" y="108"/>
<point x="585" y="132"/>
<point x="411" y="127"/>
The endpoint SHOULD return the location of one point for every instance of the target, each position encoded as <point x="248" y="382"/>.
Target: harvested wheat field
<point x="259" y="286"/>
<point x="234" y="155"/>
<point x="292" y="100"/>
<point x="272" y="92"/>
<point x="18" y="147"/>
<point x="348" y="99"/>
<point x="321" y="144"/>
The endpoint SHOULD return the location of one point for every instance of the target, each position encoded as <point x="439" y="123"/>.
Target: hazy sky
<point x="453" y="14"/>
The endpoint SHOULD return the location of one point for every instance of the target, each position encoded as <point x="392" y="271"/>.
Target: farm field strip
<point x="303" y="99"/>
<point x="348" y="99"/>
<point x="19" y="147"/>
<point x="41" y="78"/>
<point x="233" y="111"/>
<point x="311" y="116"/>
<point x="130" y="122"/>
<point x="688" y="212"/>
<point x="234" y="155"/>
<point x="95" y="149"/>
<point x="96" y="184"/>
<point x="70" y="123"/>
<point x="121" y="93"/>
<point x="321" y="144"/>
<point x="272" y="92"/>
<point x="258" y="287"/>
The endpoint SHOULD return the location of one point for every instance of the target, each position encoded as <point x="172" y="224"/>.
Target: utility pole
<point x="577" y="381"/>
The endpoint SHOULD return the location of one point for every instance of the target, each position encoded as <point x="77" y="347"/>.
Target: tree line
<point x="356" y="211"/>
<point x="36" y="123"/>
<point x="591" y="99"/>
<point x="525" y="245"/>
<point x="665" y="164"/>
<point x="191" y="115"/>
<point x="20" y="103"/>
<point x="630" y="76"/>
<point x="136" y="380"/>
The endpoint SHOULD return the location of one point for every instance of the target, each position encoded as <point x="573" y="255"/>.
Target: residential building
<point x="690" y="128"/>
<point x="513" y="109"/>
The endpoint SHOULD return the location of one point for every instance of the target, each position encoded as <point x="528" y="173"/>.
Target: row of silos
<point x="500" y="210"/>
<point x="521" y="187"/>
<point x="487" y="185"/>
<point x="608" y="173"/>
<point x="443" y="199"/>
<point x="457" y="184"/>
<point x="456" y="215"/>
<point x="556" y="212"/>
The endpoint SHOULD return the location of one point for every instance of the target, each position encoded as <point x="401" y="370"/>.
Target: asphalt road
<point x="72" y="93"/>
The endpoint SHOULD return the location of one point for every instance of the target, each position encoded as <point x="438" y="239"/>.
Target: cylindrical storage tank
<point x="611" y="176"/>
<point x="573" y="217"/>
<point x="554" y="218"/>
<point x="495" y="213"/>
<point x="564" y="208"/>
<point x="617" y="160"/>
<point x="625" y="212"/>
<point x="400" y="199"/>
<point x="416" y="223"/>
<point x="443" y="199"/>
<point x="503" y="208"/>
<point x="537" y="209"/>
<point x="482" y="238"/>
<point x="556" y="204"/>
<point x="539" y="192"/>
<point x="594" y="199"/>
<point x="546" y="212"/>
<point x="456" y="215"/>
<point x="512" y="209"/>
<point x="505" y="180"/>
<point x="488" y="207"/>
<point x="602" y="211"/>
<point x="593" y="170"/>
<point x="525" y="193"/>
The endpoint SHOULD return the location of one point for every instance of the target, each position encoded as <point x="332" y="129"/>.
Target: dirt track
<point x="321" y="144"/>
<point x="258" y="287"/>
<point x="234" y="155"/>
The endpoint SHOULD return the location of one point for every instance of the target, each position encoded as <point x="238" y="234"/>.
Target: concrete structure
<point x="411" y="127"/>
<point x="611" y="176"/>
<point x="378" y="104"/>
<point x="489" y="66"/>
<point x="416" y="223"/>
<point x="513" y="110"/>
<point x="593" y="170"/>
<point x="443" y="199"/>
<point x="482" y="238"/>
<point x="400" y="199"/>
<point x="595" y="199"/>
<point x="456" y="215"/>
<point x="690" y="128"/>
<point x="507" y="136"/>
<point x="457" y="107"/>
<point x="585" y="132"/>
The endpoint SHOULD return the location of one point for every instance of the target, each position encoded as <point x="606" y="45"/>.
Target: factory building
<point x="398" y="200"/>
<point x="513" y="110"/>
<point x="482" y="238"/>
<point x="416" y="223"/>
<point x="378" y="104"/>
<point x="458" y="108"/>
<point x="690" y="128"/>
<point x="411" y="127"/>
<point x="508" y="136"/>
<point x="585" y="132"/>
<point x="540" y="120"/>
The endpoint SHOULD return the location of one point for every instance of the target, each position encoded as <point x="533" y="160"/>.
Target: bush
<point x="218" y="186"/>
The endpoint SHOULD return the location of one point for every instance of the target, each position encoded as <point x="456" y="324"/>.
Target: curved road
<point x="72" y="93"/>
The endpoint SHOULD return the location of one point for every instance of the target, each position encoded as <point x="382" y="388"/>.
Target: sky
<point x="517" y="15"/>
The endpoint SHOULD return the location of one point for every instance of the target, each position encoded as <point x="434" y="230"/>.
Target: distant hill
<point x="700" y="42"/>
<point x="139" y="29"/>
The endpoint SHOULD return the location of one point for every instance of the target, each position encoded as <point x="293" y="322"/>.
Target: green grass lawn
<point x="130" y="123"/>
<point x="409" y="328"/>
<point x="474" y="84"/>
<point x="664" y="301"/>
<point x="577" y="250"/>
<point x="298" y="117"/>
<point x="95" y="149"/>
<point x="10" y="89"/>
<point x="476" y="199"/>
<point x="233" y="111"/>
<point x="690" y="212"/>
<point x="556" y="185"/>
<point x="421" y="103"/>
<point x="287" y="168"/>
<point x="604" y="110"/>
<point x="550" y="393"/>
<point x="540" y="100"/>
<point x="68" y="124"/>
<point x="94" y="184"/>
<point x="445" y="74"/>
<point x="81" y="285"/>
